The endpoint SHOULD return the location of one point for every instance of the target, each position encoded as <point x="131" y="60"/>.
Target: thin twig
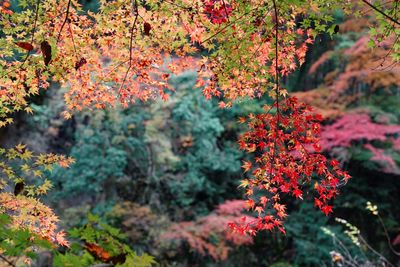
<point x="381" y="12"/>
<point x="276" y="80"/>
<point x="133" y="28"/>
<point x="276" y="62"/>
<point x="177" y="5"/>
<point x="388" y="53"/>
<point x="75" y="51"/>
<point x="388" y="237"/>
<point x="65" y="21"/>
<point x="32" y="37"/>
<point x="6" y="260"/>
<point x="226" y="11"/>
<point x="374" y="251"/>
<point x="226" y="26"/>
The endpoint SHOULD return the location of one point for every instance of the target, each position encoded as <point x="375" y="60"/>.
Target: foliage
<point x="98" y="242"/>
<point x="344" y="255"/>
<point x="312" y="245"/>
<point x="154" y="146"/>
<point x="99" y="156"/>
<point x="355" y="127"/>
<point x="16" y="243"/>
<point x="285" y="162"/>
<point x="209" y="235"/>
<point x="120" y="52"/>
<point x="206" y="162"/>
<point x="19" y="166"/>
<point x="351" y="73"/>
<point x="140" y="224"/>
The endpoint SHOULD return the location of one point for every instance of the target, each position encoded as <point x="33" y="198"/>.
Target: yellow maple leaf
<point x="244" y="183"/>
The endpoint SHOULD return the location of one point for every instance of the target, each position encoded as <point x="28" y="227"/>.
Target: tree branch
<point x="381" y="12"/>
<point x="65" y="20"/>
<point x="133" y="28"/>
<point x="6" y="260"/>
<point x="276" y="77"/>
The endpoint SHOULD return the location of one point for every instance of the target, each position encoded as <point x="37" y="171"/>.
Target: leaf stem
<point x="381" y="12"/>
<point x="6" y="260"/>
<point x="65" y="21"/>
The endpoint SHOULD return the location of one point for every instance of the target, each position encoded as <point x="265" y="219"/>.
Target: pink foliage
<point x="355" y="127"/>
<point x="367" y="68"/>
<point x="217" y="11"/>
<point x="360" y="47"/>
<point x="322" y="59"/>
<point x="389" y="165"/>
<point x="231" y="207"/>
<point x="201" y="234"/>
<point x="396" y="241"/>
<point x="396" y="144"/>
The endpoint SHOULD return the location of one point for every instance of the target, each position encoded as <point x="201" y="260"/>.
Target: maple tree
<point x="127" y="51"/>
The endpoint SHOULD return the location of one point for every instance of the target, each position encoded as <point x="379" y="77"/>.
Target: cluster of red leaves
<point x="283" y="145"/>
<point x="201" y="234"/>
<point x="217" y="11"/>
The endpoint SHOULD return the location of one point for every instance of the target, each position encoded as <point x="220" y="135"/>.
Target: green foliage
<point x="177" y="145"/>
<point x="99" y="156"/>
<point x="98" y="242"/>
<point x="281" y="264"/>
<point x="19" y="242"/>
<point x="208" y="162"/>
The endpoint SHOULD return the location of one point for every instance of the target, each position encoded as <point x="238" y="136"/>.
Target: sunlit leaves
<point x="22" y="171"/>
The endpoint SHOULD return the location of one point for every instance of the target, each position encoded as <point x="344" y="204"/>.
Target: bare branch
<point x="6" y="260"/>
<point x="381" y="12"/>
<point x="65" y="20"/>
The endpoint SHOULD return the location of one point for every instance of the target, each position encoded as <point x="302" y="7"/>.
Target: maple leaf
<point x="146" y="28"/>
<point x="298" y="193"/>
<point x="25" y="45"/>
<point x="98" y="252"/>
<point x="46" y="50"/>
<point x="244" y="183"/>
<point x="259" y="210"/>
<point x="263" y="200"/>
<point x="242" y="120"/>
<point x="318" y="203"/>
<point x="327" y="209"/>
<point x="246" y="166"/>
<point x="60" y="238"/>
<point x="250" y="203"/>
